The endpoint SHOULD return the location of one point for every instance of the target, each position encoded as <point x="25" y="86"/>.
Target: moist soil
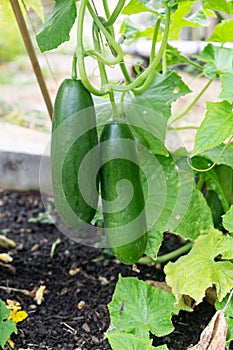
<point x="73" y="314"/>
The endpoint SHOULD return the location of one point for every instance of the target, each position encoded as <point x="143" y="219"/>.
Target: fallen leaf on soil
<point x="81" y="304"/>
<point x="6" y="257"/>
<point x="214" y="335"/>
<point x="6" y="242"/>
<point x="74" y="270"/>
<point x="40" y="295"/>
<point x="16" y="315"/>
<point x="159" y="285"/>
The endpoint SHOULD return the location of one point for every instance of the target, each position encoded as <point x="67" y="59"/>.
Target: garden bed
<point x="61" y="322"/>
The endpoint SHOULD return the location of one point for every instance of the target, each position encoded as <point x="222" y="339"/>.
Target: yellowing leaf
<point x="40" y="295"/>
<point x="193" y="273"/>
<point x="6" y="257"/>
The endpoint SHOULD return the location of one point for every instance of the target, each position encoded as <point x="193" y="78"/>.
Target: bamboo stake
<point x="32" y="55"/>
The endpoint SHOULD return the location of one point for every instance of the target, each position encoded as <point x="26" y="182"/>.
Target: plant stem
<point x="119" y="54"/>
<point x="192" y="104"/>
<point x="148" y="73"/>
<point x="103" y="73"/>
<point x="115" y="13"/>
<point x="155" y="38"/>
<point x="106" y="8"/>
<point x="74" y="67"/>
<point x="200" y="184"/>
<point x="166" y="257"/>
<point x="125" y="72"/>
<point x="164" y="62"/>
<point x="113" y="103"/>
<point x="184" y="127"/>
<point x="81" y="52"/>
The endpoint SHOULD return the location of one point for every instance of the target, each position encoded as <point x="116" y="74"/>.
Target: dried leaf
<point x="74" y="270"/>
<point x="6" y="257"/>
<point x="159" y="285"/>
<point x="81" y="304"/>
<point x="6" y="242"/>
<point x="214" y="335"/>
<point x="40" y="295"/>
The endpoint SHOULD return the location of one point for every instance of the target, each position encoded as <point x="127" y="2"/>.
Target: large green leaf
<point x="223" y="32"/>
<point x="227" y="87"/>
<point x="197" y="219"/>
<point x="179" y="21"/>
<point x="57" y="26"/>
<point x="165" y="89"/>
<point x="125" y="341"/>
<point x="218" y="179"/>
<point x="228" y="220"/>
<point x="223" y="5"/>
<point x="136" y="308"/>
<point x="216" y="127"/>
<point x="193" y="273"/>
<point x="221" y="154"/>
<point x="137" y="6"/>
<point x="218" y="60"/>
<point x="132" y="32"/>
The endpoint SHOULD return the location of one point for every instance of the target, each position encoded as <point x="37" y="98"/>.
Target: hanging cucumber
<point x="123" y="210"/>
<point x="73" y="136"/>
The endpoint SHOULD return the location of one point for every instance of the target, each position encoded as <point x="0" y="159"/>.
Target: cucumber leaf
<point x="218" y="60"/>
<point x="136" y="308"/>
<point x="57" y="26"/>
<point x="125" y="341"/>
<point x="137" y="6"/>
<point x="197" y="219"/>
<point x="223" y="32"/>
<point x="227" y="87"/>
<point x="186" y="277"/>
<point x="132" y="32"/>
<point x="165" y="89"/>
<point x="223" y="5"/>
<point x="216" y="127"/>
<point x="221" y="154"/>
<point x="228" y="220"/>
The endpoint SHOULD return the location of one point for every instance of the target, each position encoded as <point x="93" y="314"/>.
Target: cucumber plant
<point x="188" y="193"/>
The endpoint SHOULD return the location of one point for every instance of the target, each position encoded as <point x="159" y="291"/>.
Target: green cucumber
<point x="118" y="157"/>
<point x="74" y="134"/>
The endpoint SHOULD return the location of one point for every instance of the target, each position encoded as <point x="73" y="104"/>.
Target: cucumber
<point x="74" y="134"/>
<point x="118" y="158"/>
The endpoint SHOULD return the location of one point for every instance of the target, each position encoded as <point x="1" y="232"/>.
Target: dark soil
<point x="58" y="323"/>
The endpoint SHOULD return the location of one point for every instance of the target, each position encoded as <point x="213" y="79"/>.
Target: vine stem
<point x="74" y="67"/>
<point x="112" y="19"/>
<point x="119" y="53"/>
<point x="148" y="73"/>
<point x="155" y="39"/>
<point x="181" y="115"/>
<point x="166" y="257"/>
<point x="103" y="73"/>
<point x="81" y="52"/>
